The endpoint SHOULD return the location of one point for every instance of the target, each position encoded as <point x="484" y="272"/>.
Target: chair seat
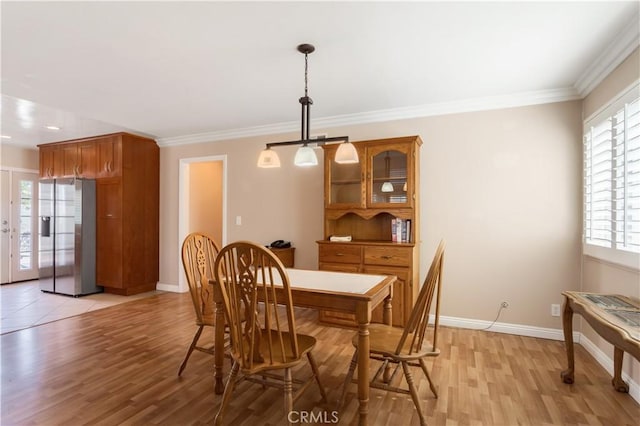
<point x="384" y="341"/>
<point x="305" y="344"/>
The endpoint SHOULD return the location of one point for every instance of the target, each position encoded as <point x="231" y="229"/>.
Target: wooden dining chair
<point x="255" y="287"/>
<point x="199" y="253"/>
<point x="405" y="346"/>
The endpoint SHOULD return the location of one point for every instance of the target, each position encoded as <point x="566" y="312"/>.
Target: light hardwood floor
<point x="119" y="365"/>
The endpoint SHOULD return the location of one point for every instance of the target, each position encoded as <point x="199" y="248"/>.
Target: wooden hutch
<point x="127" y="173"/>
<point x="365" y="201"/>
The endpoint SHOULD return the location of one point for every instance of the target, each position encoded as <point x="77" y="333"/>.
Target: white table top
<point x="329" y="281"/>
<point x="344" y="282"/>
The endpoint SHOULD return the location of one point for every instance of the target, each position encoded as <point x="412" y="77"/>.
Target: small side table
<point x="286" y="255"/>
<point x="614" y="318"/>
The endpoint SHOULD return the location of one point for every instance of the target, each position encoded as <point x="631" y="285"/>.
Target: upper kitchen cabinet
<point x="86" y="160"/>
<point x="384" y="178"/>
<point x="109" y="156"/>
<point x="51" y="161"/>
<point x="94" y="157"/>
<point x="68" y="159"/>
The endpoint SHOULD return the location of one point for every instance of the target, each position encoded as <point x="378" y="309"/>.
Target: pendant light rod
<point x="305" y="101"/>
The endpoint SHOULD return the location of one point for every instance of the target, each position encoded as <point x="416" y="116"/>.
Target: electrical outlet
<point x="504" y="304"/>
<point x="555" y="310"/>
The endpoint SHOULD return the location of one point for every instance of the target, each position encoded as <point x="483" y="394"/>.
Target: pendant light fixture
<point x="305" y="156"/>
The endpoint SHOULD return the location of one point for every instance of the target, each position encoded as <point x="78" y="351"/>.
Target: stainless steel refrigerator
<point x="67" y="232"/>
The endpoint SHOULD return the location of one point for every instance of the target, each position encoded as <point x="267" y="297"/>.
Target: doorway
<point x="18" y="226"/>
<point x="202" y="191"/>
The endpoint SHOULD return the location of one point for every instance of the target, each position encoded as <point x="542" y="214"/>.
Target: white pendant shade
<point x="346" y="154"/>
<point x="268" y="159"/>
<point x="387" y="187"/>
<point x="305" y="156"/>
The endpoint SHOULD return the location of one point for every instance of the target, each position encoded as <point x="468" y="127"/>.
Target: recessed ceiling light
<point x="5" y="136"/>
<point x="52" y="127"/>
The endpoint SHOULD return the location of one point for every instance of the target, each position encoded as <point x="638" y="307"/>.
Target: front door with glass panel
<point x="5" y="230"/>
<point x="22" y="227"/>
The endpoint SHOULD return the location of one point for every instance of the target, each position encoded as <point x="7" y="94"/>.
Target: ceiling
<point x="194" y="71"/>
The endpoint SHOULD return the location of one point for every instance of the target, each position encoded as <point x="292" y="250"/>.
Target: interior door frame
<point x="184" y="205"/>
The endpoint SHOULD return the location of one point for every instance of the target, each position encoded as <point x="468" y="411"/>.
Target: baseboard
<point x="169" y="287"/>
<point x="502" y="327"/>
<point x="544" y="333"/>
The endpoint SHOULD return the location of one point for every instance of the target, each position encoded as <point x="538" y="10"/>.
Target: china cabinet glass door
<point x="346" y="186"/>
<point x="389" y="183"/>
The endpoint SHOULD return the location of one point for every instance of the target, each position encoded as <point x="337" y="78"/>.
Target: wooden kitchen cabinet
<point x="127" y="172"/>
<point x="362" y="200"/>
<point x="51" y="161"/>
<point x="86" y="160"/>
<point x="109" y="161"/>
<point x="68" y="159"/>
<point x="128" y="199"/>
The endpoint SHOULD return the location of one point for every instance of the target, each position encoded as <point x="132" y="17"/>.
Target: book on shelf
<point x="394" y="232"/>
<point x="342" y="238"/>
<point x="400" y="230"/>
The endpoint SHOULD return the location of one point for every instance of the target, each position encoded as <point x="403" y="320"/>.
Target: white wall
<point x="502" y="187"/>
<point x="16" y="157"/>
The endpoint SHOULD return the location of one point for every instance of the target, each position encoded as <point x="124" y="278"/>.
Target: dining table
<point x="352" y="293"/>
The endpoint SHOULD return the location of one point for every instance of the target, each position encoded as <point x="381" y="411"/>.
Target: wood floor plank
<point x="118" y="366"/>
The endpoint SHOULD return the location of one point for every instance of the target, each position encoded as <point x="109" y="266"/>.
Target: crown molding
<point x="453" y="107"/>
<point x="442" y="108"/>
<point x="613" y="55"/>
<point x="222" y="135"/>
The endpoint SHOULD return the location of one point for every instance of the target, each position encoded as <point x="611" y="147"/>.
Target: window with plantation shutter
<point x="612" y="181"/>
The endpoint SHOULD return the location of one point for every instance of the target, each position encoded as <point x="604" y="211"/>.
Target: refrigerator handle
<point x="46" y="226"/>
